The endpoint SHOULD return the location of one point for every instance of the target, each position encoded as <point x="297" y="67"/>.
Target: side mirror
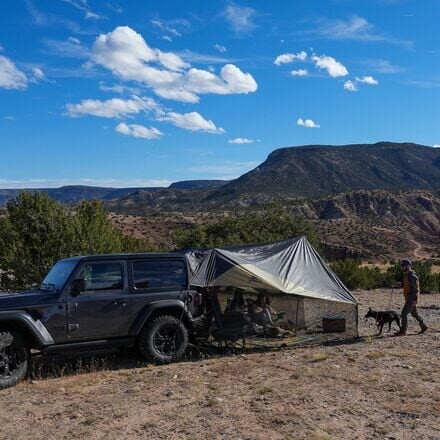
<point x="78" y="286"/>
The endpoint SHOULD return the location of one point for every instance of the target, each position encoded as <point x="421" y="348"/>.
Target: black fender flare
<point x="35" y="327"/>
<point x="174" y="307"/>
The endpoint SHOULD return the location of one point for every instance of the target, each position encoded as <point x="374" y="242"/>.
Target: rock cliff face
<point x="316" y="171"/>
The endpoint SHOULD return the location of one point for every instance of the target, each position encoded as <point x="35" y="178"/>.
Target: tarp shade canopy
<point x="291" y="267"/>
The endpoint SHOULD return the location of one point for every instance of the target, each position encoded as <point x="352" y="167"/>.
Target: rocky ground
<point x="375" y="387"/>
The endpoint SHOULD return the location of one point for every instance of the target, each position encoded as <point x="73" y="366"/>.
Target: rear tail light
<point x="197" y="299"/>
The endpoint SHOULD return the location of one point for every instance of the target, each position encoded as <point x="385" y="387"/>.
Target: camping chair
<point x="230" y="327"/>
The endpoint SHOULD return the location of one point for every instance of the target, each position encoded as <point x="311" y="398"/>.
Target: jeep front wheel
<point x="164" y="340"/>
<point x="14" y="358"/>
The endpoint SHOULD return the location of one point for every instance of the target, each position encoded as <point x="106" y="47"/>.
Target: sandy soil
<point x="386" y="387"/>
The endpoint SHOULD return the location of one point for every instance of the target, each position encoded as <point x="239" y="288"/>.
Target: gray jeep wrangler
<point x="88" y="303"/>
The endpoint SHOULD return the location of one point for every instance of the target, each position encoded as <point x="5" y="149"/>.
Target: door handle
<point x="119" y="302"/>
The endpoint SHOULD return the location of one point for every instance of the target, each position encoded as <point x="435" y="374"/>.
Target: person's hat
<point x="406" y="262"/>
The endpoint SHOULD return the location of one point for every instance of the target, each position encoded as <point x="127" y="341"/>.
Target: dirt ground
<point x="373" y="388"/>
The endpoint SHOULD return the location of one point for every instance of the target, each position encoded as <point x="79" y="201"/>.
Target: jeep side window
<point x="159" y="273"/>
<point x="102" y="276"/>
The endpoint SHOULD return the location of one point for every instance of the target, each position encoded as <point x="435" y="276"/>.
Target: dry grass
<point x="324" y="392"/>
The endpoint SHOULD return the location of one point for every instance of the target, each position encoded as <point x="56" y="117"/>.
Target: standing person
<point x="411" y="291"/>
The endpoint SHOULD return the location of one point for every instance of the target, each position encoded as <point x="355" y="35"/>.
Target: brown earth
<point x="377" y="387"/>
<point x="361" y="224"/>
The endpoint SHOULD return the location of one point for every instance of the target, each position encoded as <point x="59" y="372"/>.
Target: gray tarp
<point x="292" y="267"/>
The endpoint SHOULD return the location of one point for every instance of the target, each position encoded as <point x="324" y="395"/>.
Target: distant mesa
<point x="304" y="172"/>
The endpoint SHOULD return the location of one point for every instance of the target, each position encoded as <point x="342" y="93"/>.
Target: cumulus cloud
<point x="128" y="56"/>
<point x="299" y="72"/>
<point x="192" y="121"/>
<point x="367" y="80"/>
<point x="241" y="140"/>
<point x="111" y="108"/>
<point x="240" y="18"/>
<point x="350" y="86"/>
<point x="10" y="76"/>
<point x="334" y="68"/>
<point x="307" y="123"/>
<point x="436" y="146"/>
<point x="138" y="131"/>
<point x="286" y="58"/>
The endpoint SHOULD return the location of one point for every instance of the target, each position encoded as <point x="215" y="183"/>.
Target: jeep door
<point x="101" y="309"/>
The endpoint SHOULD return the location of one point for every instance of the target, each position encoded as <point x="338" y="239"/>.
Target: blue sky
<point x="137" y="93"/>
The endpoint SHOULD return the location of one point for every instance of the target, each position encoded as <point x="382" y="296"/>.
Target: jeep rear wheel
<point x="14" y="358"/>
<point x="164" y="340"/>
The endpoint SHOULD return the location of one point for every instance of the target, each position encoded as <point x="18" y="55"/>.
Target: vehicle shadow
<point x="71" y="364"/>
<point x="56" y="366"/>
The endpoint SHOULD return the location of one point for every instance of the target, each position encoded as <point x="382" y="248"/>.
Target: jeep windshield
<point x="58" y="276"/>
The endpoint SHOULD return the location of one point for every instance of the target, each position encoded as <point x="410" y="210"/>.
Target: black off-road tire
<point x="163" y="340"/>
<point x="14" y="359"/>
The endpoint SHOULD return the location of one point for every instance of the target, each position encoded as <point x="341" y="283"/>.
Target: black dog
<point x="383" y="318"/>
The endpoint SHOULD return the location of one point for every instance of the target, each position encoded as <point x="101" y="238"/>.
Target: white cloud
<point x="170" y="28"/>
<point x="383" y="66"/>
<point x="239" y="141"/>
<point x="231" y="80"/>
<point x="354" y="28"/>
<point x="367" y="80"/>
<point x="10" y="76"/>
<point x="83" y="6"/>
<point x="240" y="18"/>
<point x="307" y="123"/>
<point x="113" y="89"/>
<point x="192" y="121"/>
<point x="70" y="48"/>
<point x="202" y="58"/>
<point x="300" y="72"/>
<point x="286" y="58"/>
<point x="436" y="146"/>
<point x="112" y="108"/>
<point x="74" y="40"/>
<point x="128" y="56"/>
<point x="334" y="68"/>
<point x="138" y="131"/>
<point x="220" y="48"/>
<point x="38" y="74"/>
<point x="92" y="16"/>
<point x="350" y="86"/>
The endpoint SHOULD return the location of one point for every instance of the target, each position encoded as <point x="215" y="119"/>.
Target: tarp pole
<point x="297" y="312"/>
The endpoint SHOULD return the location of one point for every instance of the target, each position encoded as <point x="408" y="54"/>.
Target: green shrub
<point x="273" y="223"/>
<point x="355" y="276"/>
<point x="37" y="231"/>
